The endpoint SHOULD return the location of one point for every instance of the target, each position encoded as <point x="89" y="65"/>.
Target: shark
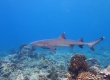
<point x="61" y="41"/>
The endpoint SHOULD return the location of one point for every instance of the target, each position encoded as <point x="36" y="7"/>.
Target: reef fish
<point x="61" y="41"/>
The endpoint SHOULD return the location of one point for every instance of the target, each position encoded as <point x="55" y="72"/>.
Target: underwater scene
<point x="55" y="40"/>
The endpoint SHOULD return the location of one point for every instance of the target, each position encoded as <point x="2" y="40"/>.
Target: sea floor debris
<point x="27" y="64"/>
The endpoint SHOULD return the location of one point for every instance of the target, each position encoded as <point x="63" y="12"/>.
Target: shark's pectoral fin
<point x="81" y="40"/>
<point x="81" y="46"/>
<point x="52" y="48"/>
<point x="71" y="46"/>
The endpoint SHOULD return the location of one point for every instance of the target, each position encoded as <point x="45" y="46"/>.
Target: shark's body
<point x="62" y="41"/>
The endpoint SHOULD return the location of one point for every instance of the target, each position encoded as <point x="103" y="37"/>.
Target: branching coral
<point x="78" y="65"/>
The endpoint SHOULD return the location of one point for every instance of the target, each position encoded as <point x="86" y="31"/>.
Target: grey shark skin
<point x="62" y="41"/>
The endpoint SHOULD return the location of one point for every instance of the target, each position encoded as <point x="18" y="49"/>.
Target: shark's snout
<point x="32" y="43"/>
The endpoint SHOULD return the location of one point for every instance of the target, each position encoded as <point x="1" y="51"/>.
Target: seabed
<point x="30" y="64"/>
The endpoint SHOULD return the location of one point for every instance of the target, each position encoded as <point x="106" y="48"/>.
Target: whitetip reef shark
<point x="63" y="42"/>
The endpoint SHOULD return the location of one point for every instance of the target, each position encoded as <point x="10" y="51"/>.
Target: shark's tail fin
<point x="91" y="44"/>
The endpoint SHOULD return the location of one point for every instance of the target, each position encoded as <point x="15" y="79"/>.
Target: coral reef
<point x="79" y="69"/>
<point x="86" y="76"/>
<point x="78" y="65"/>
<point x="91" y="76"/>
<point x="96" y="68"/>
<point x="6" y="68"/>
<point x="27" y="64"/>
<point x="106" y="73"/>
<point x="92" y="62"/>
<point x="53" y="75"/>
<point x="26" y="49"/>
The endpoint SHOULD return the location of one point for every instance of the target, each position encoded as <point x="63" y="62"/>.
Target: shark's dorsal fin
<point x="81" y="40"/>
<point x="62" y="36"/>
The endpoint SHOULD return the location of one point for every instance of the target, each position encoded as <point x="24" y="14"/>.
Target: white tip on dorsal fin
<point x="62" y="36"/>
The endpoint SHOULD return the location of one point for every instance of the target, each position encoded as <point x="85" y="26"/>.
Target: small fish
<point x="62" y="41"/>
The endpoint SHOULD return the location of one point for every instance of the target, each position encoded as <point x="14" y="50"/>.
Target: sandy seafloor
<point x="41" y="64"/>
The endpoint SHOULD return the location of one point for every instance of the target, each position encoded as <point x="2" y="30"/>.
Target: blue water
<point x="24" y="21"/>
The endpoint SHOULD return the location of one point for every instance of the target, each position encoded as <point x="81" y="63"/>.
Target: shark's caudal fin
<point x="91" y="44"/>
